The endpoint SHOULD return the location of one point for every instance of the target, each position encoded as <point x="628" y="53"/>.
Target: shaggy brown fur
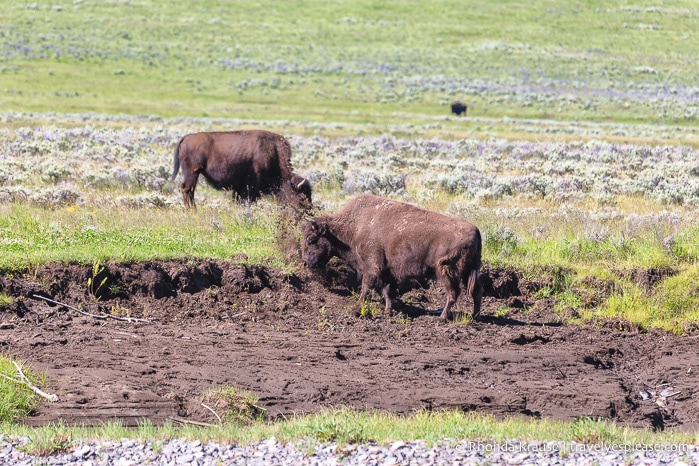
<point x="249" y="163"/>
<point x="390" y="244"/>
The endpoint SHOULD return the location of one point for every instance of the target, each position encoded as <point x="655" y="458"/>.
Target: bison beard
<point x="390" y="244"/>
<point x="249" y="163"/>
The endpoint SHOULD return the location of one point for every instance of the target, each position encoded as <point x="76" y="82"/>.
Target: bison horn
<point x="312" y="222"/>
<point x="298" y="186"/>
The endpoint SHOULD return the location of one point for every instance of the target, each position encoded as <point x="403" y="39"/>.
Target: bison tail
<point x="177" y="161"/>
<point x="473" y="276"/>
<point x="475" y="263"/>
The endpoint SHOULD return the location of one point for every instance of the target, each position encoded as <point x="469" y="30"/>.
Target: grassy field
<point x="578" y="156"/>
<point x="354" y="61"/>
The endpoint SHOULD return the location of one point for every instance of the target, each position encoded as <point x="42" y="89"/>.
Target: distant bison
<point x="458" y="108"/>
<point x="249" y="163"/>
<point x="391" y="244"/>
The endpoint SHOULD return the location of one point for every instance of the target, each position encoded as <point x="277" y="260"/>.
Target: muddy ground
<point x="293" y="340"/>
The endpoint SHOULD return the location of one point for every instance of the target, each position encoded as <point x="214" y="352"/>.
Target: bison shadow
<point x="414" y="297"/>
<point x="509" y="321"/>
<point x="412" y="311"/>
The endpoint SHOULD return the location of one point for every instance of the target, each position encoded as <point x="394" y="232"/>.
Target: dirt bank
<point x="293" y="341"/>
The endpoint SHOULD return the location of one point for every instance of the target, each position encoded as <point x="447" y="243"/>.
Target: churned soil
<point x="293" y="340"/>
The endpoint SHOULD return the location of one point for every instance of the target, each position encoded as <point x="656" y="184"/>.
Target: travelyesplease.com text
<point x="571" y="447"/>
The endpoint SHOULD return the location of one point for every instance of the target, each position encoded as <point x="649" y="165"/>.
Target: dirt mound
<point x="293" y="340"/>
<point x="648" y="278"/>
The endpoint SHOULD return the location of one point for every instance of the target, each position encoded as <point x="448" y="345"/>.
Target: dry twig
<point x="194" y="423"/>
<point x="211" y="409"/>
<point x="94" y="316"/>
<point x="38" y="391"/>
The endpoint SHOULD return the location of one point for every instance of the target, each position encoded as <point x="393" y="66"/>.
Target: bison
<point x="250" y="163"/>
<point x="392" y="244"/>
<point x="457" y="108"/>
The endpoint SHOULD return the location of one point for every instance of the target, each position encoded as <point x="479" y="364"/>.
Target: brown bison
<point x="457" y="108"/>
<point x="250" y="163"/>
<point x="391" y="244"/>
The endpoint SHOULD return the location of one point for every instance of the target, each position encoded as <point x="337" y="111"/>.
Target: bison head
<point x="296" y="192"/>
<point x="302" y="186"/>
<point x="316" y="249"/>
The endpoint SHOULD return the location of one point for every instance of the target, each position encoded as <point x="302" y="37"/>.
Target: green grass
<point x="673" y="305"/>
<point x="5" y="300"/>
<point x="32" y="235"/>
<point x="575" y="250"/>
<point x="575" y="266"/>
<point x="16" y="399"/>
<point x="345" y="426"/>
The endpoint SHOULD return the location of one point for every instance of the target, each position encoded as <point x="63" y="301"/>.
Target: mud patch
<point x="292" y="340"/>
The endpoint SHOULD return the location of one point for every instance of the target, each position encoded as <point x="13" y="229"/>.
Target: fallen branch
<point x="194" y="423"/>
<point x="94" y="316"/>
<point x="38" y="391"/>
<point x="211" y="409"/>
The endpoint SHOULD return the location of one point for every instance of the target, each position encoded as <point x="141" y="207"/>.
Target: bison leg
<point x="370" y="281"/>
<point x="388" y="298"/>
<point x="367" y="286"/>
<point x="476" y="294"/>
<point x="189" y="184"/>
<point x="451" y="282"/>
<point x="446" y="312"/>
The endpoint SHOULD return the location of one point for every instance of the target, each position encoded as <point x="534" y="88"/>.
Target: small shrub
<point x="501" y="240"/>
<point x="233" y="405"/>
<point x="5" y="300"/>
<point x="97" y="280"/>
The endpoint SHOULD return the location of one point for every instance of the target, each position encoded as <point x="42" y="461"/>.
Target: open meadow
<point x="578" y="159"/>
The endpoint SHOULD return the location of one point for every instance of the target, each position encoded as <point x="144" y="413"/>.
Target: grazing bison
<point x="249" y="163"/>
<point x="391" y="244"/>
<point x="458" y="108"/>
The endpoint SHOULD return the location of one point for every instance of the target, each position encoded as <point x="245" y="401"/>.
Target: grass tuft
<point x="233" y="405"/>
<point x="5" y="300"/>
<point x="49" y="440"/>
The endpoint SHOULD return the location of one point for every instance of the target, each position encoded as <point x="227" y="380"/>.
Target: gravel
<point x="128" y="452"/>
